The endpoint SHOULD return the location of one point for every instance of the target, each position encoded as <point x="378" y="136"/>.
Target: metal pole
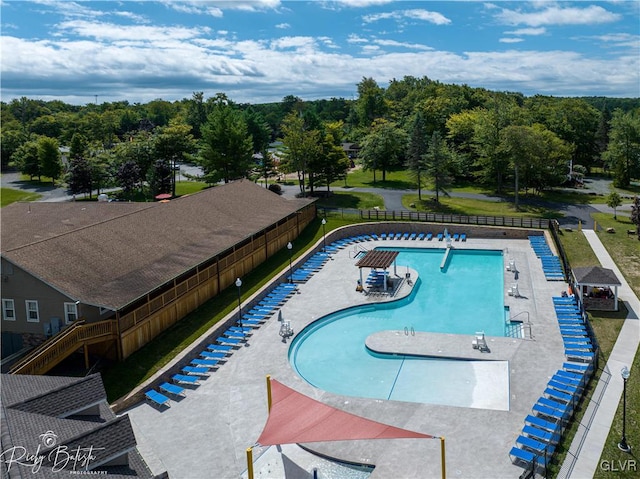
<point x="444" y="467"/>
<point x="290" y="248"/>
<point x="250" y="462"/>
<point x="324" y="235"/>
<point x="238" y="284"/>
<point x="269" y="398"/>
<point x="622" y="445"/>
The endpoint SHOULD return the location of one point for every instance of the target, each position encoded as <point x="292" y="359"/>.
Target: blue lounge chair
<point x="195" y="370"/>
<point x="463" y="237"/>
<point x="538" y="422"/>
<point x="429" y="236"/>
<point x="578" y="367"/>
<point x="239" y="329"/>
<point x="157" y="398"/>
<point x="564" y="408"/>
<point x="413" y="236"/>
<point x="535" y="446"/>
<point x="440" y="236"/>
<point x="456" y="237"/>
<point x="256" y="323"/>
<point x="220" y="347"/>
<point x="526" y="456"/>
<point x="562" y="387"/>
<point x="558" y="395"/>
<point x="235" y="334"/>
<point x="578" y="355"/>
<point x="207" y="363"/>
<point x="184" y="379"/>
<point x="421" y="237"/>
<point x="405" y="236"/>
<point x="551" y="413"/>
<point x="230" y="341"/>
<point x="541" y="434"/>
<point x="214" y="355"/>
<point x="172" y="389"/>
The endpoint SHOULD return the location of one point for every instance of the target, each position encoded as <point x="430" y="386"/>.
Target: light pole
<point x="238" y="284"/>
<point x="622" y="445"/>
<point x="324" y="235"/>
<point x="290" y="247"/>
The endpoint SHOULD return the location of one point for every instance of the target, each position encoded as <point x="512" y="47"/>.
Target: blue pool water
<point x="464" y="297"/>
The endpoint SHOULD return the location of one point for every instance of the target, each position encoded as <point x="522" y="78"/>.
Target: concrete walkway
<point x="588" y="444"/>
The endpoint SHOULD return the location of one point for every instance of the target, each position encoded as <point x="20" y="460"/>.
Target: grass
<point x="470" y="206"/>
<point x="607" y="327"/>
<point x="189" y="187"/>
<point x="351" y="199"/>
<point x="358" y="178"/>
<point x="623" y="248"/>
<point x="10" y="195"/>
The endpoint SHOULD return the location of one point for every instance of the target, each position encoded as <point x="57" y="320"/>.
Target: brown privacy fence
<point x="418" y="216"/>
<point x="167" y="305"/>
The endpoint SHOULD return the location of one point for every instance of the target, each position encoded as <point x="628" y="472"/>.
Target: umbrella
<point x="163" y="196"/>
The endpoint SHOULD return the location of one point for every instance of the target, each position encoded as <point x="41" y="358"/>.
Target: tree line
<point x="441" y="133"/>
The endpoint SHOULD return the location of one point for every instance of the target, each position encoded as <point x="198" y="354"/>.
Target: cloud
<point x="510" y="40"/>
<point x="216" y="8"/>
<point x="111" y="32"/>
<point x="527" y="31"/>
<point x="554" y="15"/>
<point x="361" y="3"/>
<point x="394" y="43"/>
<point x="283" y="26"/>
<point x="414" y="14"/>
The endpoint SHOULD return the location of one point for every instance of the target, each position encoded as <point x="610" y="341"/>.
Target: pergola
<point x="596" y="277"/>
<point x="377" y="259"/>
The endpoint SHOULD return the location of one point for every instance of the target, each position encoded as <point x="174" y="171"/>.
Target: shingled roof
<point x="110" y="254"/>
<point x="596" y="276"/>
<point x="46" y="414"/>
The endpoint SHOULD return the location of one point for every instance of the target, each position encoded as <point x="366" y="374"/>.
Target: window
<point x="8" y="310"/>
<point x="70" y="312"/>
<point x="32" y="311"/>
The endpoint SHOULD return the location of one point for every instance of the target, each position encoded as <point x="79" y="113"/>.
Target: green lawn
<point x="468" y="206"/>
<point x="358" y="178"/>
<point x="10" y="195"/>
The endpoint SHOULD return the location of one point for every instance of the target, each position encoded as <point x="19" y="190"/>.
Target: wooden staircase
<point x="53" y="351"/>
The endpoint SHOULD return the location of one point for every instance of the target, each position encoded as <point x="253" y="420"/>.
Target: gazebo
<point x="594" y="285"/>
<point x="377" y="259"/>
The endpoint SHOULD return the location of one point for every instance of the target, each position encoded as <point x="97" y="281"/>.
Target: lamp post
<point x="622" y="445"/>
<point x="238" y="284"/>
<point x="324" y="235"/>
<point x="290" y="247"/>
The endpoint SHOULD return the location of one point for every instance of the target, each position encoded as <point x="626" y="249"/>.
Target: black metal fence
<point x="384" y="215"/>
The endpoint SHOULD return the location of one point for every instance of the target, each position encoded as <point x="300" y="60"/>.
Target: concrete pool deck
<point x="206" y="433"/>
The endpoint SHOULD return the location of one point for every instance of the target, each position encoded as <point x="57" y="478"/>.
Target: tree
<point x="416" y="150"/>
<point x="437" y="161"/>
<point x="196" y="113"/>
<point x="370" y="104"/>
<point x="79" y="176"/>
<point x="78" y="146"/>
<point x="383" y="148"/>
<point x="49" y="158"/>
<point x="27" y="161"/>
<point x="159" y="177"/>
<point x="170" y="145"/>
<point x="613" y="201"/>
<point x="227" y="146"/>
<point x="128" y="176"/>
<point x="623" y="152"/>
<point x="300" y="148"/>
<point x="333" y="164"/>
<point x="260" y="133"/>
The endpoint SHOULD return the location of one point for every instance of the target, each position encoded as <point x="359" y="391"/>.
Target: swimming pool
<point x="466" y="296"/>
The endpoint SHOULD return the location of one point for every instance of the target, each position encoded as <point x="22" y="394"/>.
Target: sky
<point x="263" y="50"/>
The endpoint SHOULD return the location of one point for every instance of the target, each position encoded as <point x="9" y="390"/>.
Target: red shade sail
<point x="296" y="418"/>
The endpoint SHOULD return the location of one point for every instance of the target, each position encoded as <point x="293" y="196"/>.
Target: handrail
<point x="61" y="345"/>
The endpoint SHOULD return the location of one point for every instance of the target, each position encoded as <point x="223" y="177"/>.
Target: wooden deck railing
<point x="56" y="349"/>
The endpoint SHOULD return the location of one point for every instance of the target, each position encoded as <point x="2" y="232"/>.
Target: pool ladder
<point x="407" y="331"/>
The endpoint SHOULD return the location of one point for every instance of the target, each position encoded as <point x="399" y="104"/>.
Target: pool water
<point x="466" y="296"/>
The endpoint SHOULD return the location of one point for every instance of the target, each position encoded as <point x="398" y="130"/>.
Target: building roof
<point x="111" y="254"/>
<point x="47" y="415"/>
<point x="596" y="276"/>
<point x="377" y="259"/>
